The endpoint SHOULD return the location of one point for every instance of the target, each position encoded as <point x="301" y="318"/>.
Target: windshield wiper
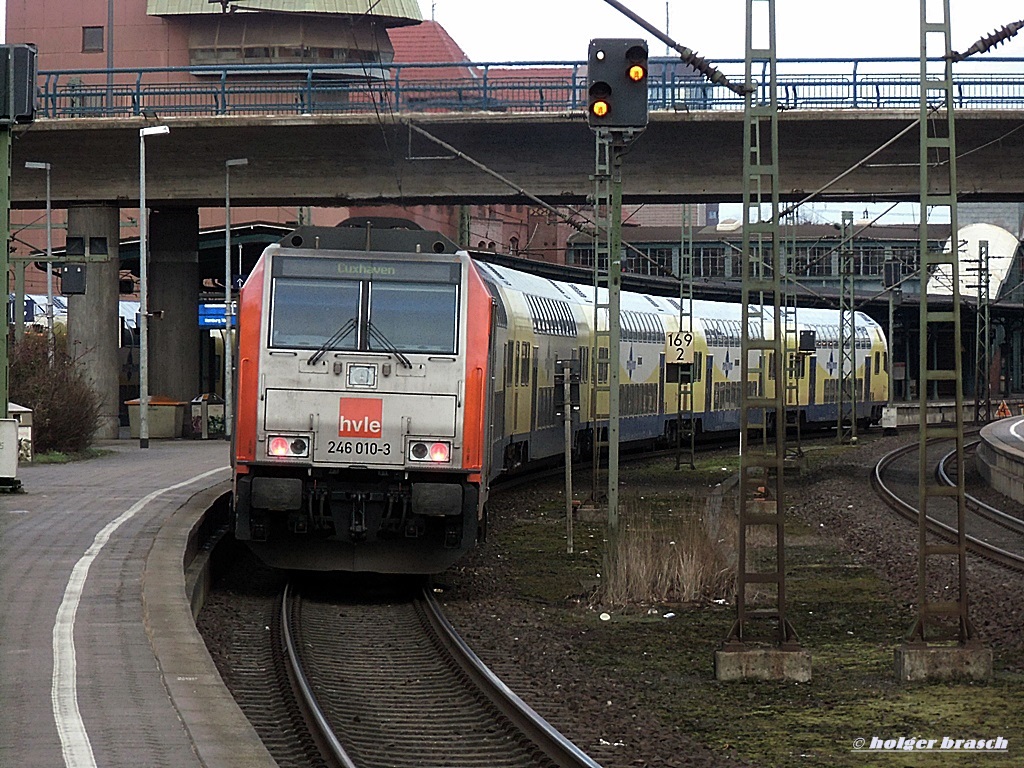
<point x="381" y="339"/>
<point x="338" y="335"/>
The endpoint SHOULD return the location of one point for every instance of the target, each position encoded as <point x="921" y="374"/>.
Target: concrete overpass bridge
<point x="325" y="135"/>
<point x="346" y="159"/>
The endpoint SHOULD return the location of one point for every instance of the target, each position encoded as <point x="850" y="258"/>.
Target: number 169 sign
<point x="681" y="346"/>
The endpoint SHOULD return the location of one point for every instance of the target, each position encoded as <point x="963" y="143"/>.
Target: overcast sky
<point x="533" y="30"/>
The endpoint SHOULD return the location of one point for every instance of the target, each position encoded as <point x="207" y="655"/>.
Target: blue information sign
<point x="212" y="316"/>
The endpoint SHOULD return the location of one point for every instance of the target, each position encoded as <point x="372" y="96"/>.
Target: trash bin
<point x="166" y="417"/>
<point x="207" y="416"/>
<point x="23" y="416"/>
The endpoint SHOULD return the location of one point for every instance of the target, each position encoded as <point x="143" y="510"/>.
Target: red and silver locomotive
<point x="362" y="387"/>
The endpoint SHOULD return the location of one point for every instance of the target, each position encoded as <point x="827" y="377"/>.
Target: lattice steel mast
<point x="938" y="184"/>
<point x="762" y="401"/>
<point x="847" y="335"/>
<point x="982" y="348"/>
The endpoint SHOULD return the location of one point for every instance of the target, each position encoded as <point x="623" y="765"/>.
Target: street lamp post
<point x="228" y="408"/>
<point x="49" y="259"/>
<point x="155" y="130"/>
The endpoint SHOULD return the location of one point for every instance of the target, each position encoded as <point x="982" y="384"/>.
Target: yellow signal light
<point x="599" y="108"/>
<point x="637" y="73"/>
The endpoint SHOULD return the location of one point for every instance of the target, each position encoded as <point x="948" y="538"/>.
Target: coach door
<point x="709" y="378"/>
<point x="533" y="389"/>
<point x="812" y="378"/>
<point x="661" y="384"/>
<point x="522" y="420"/>
<point x="867" y="377"/>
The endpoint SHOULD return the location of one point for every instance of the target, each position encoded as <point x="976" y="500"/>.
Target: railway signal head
<point x="617" y="83"/>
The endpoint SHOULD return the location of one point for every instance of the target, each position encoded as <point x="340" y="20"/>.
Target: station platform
<point x="1000" y="456"/>
<point x="100" y="660"/>
<point x="908" y="414"/>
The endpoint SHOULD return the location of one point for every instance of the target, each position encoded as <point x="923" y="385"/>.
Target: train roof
<point x="546" y="287"/>
<point x="369" y="235"/>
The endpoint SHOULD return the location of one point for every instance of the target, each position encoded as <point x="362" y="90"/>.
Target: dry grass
<point x="677" y="557"/>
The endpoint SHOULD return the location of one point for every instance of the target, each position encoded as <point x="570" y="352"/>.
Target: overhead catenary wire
<point x="572" y="222"/>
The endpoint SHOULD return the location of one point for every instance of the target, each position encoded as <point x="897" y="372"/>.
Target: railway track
<point x="388" y="682"/>
<point x="261" y="673"/>
<point x="977" y="506"/>
<point x="901" y="495"/>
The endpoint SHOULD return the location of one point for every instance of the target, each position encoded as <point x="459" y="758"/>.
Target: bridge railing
<point x="494" y="87"/>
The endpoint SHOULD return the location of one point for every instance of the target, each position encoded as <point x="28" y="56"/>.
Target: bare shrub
<point x="682" y="556"/>
<point x="65" y="410"/>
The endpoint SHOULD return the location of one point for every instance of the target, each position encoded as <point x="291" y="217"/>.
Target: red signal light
<point x="278" y="446"/>
<point x="440" y="452"/>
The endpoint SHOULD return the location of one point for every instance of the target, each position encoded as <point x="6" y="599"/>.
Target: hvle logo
<point x="360" y="417"/>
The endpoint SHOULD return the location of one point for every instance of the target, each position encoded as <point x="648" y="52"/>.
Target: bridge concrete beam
<point x="359" y="159"/>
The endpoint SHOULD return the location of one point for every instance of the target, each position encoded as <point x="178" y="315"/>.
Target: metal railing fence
<point x="556" y="86"/>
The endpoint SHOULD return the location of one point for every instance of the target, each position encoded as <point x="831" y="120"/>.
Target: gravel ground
<point x="543" y="647"/>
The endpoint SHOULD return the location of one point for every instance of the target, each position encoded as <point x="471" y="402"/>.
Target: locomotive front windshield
<point x="307" y="312"/>
<point x="367" y="305"/>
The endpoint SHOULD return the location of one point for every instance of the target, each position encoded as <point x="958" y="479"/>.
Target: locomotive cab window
<point x="353" y="304"/>
<point x="308" y="313"/>
<point x="413" y="317"/>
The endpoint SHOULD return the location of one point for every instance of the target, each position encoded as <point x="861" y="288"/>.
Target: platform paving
<point x="75" y="546"/>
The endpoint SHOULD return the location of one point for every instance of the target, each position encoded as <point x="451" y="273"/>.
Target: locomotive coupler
<point x="357" y="525"/>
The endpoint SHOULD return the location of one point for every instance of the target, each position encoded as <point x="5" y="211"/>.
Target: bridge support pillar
<point x="93" y="318"/>
<point x="174" y="303"/>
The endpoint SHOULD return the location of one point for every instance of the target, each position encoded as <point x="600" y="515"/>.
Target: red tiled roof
<point x="429" y="42"/>
<point x="426" y="43"/>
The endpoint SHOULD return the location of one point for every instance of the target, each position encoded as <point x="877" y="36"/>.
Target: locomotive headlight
<point x="362" y="376"/>
<point x="438" y="452"/>
<point x="281" y="446"/>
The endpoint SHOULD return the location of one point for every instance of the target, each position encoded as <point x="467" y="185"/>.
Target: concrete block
<point x="914" y="664"/>
<point x="763" y="664"/>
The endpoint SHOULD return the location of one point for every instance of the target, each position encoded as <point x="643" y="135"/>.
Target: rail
<point x="909" y="511"/>
<point x="250" y="88"/>
<point x="533" y="740"/>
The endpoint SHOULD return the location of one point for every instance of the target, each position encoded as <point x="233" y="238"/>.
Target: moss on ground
<point x="59" y="457"/>
<point x="845" y="618"/>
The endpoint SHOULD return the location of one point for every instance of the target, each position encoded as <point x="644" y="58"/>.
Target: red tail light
<point x="288" y="447"/>
<point x="439" y="452"/>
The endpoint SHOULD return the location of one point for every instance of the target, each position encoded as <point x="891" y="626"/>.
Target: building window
<point x="92" y="39"/>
